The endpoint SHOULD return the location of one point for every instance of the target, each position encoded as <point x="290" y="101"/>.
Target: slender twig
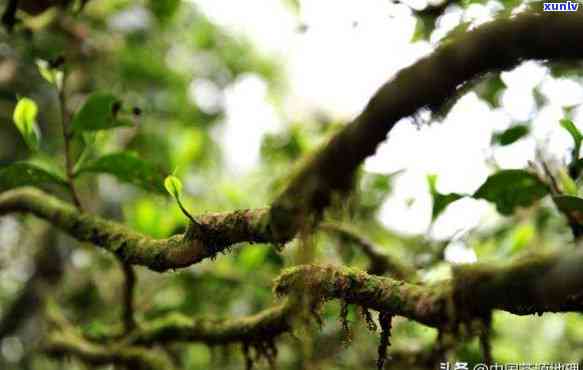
<point x="486" y="346"/>
<point x="554" y="184"/>
<point x="128" y="296"/>
<point x="128" y="270"/>
<point x="67" y="136"/>
<point x="185" y="211"/>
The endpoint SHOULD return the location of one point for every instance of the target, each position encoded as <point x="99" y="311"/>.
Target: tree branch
<point x="537" y="284"/>
<point x="214" y="234"/>
<point x="135" y="350"/>
<point x="67" y="342"/>
<point x="380" y="263"/>
<point x="129" y="275"/>
<point x="264" y="326"/>
<point x="497" y="45"/>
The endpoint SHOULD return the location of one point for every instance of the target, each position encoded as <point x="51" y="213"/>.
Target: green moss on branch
<point x="214" y="234"/>
<point x="497" y="45"/>
<point x="67" y="342"/>
<point x="542" y="283"/>
<point x="264" y="326"/>
<point x="420" y="303"/>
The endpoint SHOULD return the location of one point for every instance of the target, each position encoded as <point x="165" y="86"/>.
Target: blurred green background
<point x="175" y="63"/>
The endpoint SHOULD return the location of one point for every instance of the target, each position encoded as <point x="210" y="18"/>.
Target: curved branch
<point x="263" y="326"/>
<point x="544" y="283"/>
<point x="497" y="45"/>
<point x="214" y="233"/>
<point x="67" y="342"/>
<point x="535" y="284"/>
<point x="134" y="350"/>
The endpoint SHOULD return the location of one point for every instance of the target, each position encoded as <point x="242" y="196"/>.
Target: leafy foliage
<point x="26" y="174"/>
<point x="570" y="205"/>
<point x="50" y="74"/>
<point x="440" y="201"/>
<point x="510" y="189"/>
<point x="154" y="54"/>
<point x="24" y="117"/>
<point x="510" y="135"/>
<point x="576" y="135"/>
<point x="424" y="27"/>
<point x="128" y="168"/>
<point x="173" y="186"/>
<point x="164" y="10"/>
<point x="101" y="111"/>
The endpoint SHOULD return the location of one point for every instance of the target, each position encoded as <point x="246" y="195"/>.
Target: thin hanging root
<point x="486" y="347"/>
<point x="263" y="349"/>
<point x="344" y="321"/>
<point x="385" y="322"/>
<point x="267" y="350"/>
<point x="271" y="348"/>
<point x="370" y="324"/>
<point x="247" y="355"/>
<point x="315" y="312"/>
<point x="485" y="343"/>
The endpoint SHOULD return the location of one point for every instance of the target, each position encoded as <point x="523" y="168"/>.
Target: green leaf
<point x="510" y="189"/>
<point x="100" y="112"/>
<point x="164" y="10"/>
<point x="510" y="135"/>
<point x="26" y="174"/>
<point x="575" y="168"/>
<point x="567" y="184"/>
<point x="128" y="168"/>
<point x="173" y="186"/>
<point x="489" y="90"/>
<point x="24" y="117"/>
<point x="568" y="125"/>
<point x="424" y="27"/>
<point x="53" y="76"/>
<point x="440" y="201"/>
<point x="521" y="237"/>
<point x="571" y="206"/>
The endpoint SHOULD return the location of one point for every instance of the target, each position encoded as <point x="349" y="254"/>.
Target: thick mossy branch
<point x="385" y="320"/>
<point x="257" y="332"/>
<point x="214" y="234"/>
<point x="261" y="327"/>
<point x="543" y="283"/>
<point x="66" y="342"/>
<point x="420" y="303"/>
<point x="534" y="284"/>
<point x="497" y="45"/>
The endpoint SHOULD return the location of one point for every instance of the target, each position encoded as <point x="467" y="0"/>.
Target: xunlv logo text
<point x="561" y="7"/>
